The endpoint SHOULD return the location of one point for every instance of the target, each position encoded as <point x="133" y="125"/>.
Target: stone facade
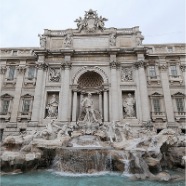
<point x="50" y="82"/>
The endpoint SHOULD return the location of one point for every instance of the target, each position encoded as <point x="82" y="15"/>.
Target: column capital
<point x="66" y="65"/>
<point x="163" y="67"/>
<point x="183" y="67"/>
<point x="114" y="65"/>
<point x="140" y="64"/>
<point x="3" y="69"/>
<point x="41" y="66"/>
<point x="21" y="68"/>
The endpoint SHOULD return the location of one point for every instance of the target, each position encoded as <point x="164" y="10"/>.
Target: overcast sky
<point x="161" y="21"/>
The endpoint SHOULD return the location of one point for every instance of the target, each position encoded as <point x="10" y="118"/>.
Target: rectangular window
<point x="5" y="106"/>
<point x="179" y="103"/>
<point x="1" y="134"/>
<point x="11" y="73"/>
<point x="26" y="106"/>
<point x="31" y="72"/>
<point x="173" y="70"/>
<point x="152" y="71"/>
<point x="156" y="103"/>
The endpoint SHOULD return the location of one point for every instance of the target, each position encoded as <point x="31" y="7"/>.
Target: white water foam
<point x="69" y="174"/>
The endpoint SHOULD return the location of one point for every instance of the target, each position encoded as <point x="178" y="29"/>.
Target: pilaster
<point x="105" y="105"/>
<point x="65" y="115"/>
<point x="74" y="106"/>
<point x="18" y="89"/>
<point x="41" y="66"/>
<point x="166" y="90"/>
<point x="140" y="64"/>
<point x="114" y="88"/>
<point x="2" y="73"/>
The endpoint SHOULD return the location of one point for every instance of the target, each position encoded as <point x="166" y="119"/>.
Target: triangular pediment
<point x="178" y="94"/>
<point x="6" y="96"/>
<point x="27" y="95"/>
<point x="156" y="94"/>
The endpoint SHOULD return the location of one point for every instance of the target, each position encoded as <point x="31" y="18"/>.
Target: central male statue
<point x="88" y="105"/>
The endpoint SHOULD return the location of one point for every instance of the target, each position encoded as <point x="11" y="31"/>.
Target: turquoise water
<point x="49" y="178"/>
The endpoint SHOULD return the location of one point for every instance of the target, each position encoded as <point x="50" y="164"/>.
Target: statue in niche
<point x="128" y="105"/>
<point x="42" y="41"/>
<point x="68" y="40"/>
<point x="89" y="115"/>
<point x="54" y="75"/>
<point x="113" y="39"/>
<point x="126" y="74"/>
<point x="52" y="107"/>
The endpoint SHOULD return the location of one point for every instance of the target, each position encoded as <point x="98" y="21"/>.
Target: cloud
<point x="21" y="21"/>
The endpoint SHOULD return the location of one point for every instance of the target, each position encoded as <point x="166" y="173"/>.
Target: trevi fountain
<point x="93" y="106"/>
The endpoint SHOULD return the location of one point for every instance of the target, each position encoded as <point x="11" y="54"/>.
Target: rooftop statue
<point x="91" y="22"/>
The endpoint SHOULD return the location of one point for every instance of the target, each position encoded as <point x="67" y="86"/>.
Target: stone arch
<point x="90" y="69"/>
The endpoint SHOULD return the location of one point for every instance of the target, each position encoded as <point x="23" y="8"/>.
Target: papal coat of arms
<point x="91" y="22"/>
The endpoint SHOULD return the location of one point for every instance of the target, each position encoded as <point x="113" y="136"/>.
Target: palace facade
<point x="130" y="82"/>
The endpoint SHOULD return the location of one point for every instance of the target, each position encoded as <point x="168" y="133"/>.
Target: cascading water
<point x="81" y="160"/>
<point x="126" y="162"/>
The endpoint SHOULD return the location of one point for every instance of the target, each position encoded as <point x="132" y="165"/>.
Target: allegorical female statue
<point x="128" y="105"/>
<point x="52" y="107"/>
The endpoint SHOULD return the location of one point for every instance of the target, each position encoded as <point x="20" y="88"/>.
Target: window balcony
<point x="10" y="81"/>
<point x="155" y="79"/>
<point x="5" y="116"/>
<point x="24" y="115"/>
<point x="158" y="115"/>
<point x="175" y="78"/>
<point x="31" y="81"/>
<point x="180" y="115"/>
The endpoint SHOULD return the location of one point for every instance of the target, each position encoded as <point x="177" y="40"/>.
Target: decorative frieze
<point x="54" y="75"/>
<point x="126" y="74"/>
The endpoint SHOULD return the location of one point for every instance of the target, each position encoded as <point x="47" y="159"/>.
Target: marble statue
<point x="80" y="23"/>
<point x="91" y="22"/>
<point x="111" y="131"/>
<point x="128" y="105"/>
<point x="68" y="40"/>
<point x="90" y="118"/>
<point x="52" y="107"/>
<point x="113" y="39"/>
<point x="42" y="41"/>
<point x="88" y="106"/>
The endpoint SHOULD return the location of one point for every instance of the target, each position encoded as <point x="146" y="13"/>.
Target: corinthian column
<point x="38" y="89"/>
<point x="65" y="115"/>
<point x="143" y="91"/>
<point x="74" y="106"/>
<point x="2" y="73"/>
<point x="105" y="103"/>
<point x="114" y="89"/>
